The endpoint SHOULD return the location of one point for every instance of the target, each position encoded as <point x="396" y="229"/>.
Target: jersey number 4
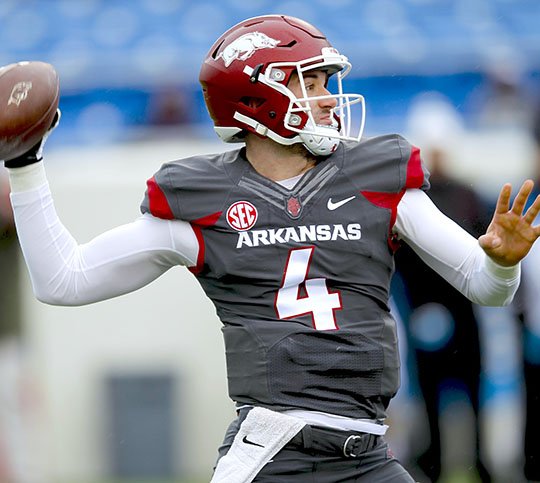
<point x="300" y="295"/>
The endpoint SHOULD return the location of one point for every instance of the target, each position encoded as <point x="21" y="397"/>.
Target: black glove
<point x="35" y="153"/>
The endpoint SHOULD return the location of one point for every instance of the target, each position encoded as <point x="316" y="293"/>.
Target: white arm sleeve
<point x="453" y="253"/>
<point x="116" y="262"/>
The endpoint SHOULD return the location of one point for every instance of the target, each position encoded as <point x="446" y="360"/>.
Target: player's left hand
<point x="511" y="233"/>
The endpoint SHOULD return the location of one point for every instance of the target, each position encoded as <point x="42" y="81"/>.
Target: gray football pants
<point x="291" y="465"/>
<point x="374" y="466"/>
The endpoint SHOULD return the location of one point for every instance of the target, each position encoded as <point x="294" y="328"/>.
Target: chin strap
<point x="318" y="145"/>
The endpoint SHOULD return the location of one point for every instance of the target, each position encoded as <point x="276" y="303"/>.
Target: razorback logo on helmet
<point x="243" y="47"/>
<point x="242" y="215"/>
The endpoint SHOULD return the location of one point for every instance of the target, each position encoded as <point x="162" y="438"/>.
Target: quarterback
<point x="292" y="237"/>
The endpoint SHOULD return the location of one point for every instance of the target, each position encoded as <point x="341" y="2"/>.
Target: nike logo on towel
<point x="334" y="206"/>
<point x="247" y="441"/>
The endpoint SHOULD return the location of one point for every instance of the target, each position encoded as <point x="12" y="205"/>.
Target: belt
<point x="333" y="442"/>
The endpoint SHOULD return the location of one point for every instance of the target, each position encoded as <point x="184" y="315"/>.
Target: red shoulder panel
<point x="198" y="225"/>
<point x="157" y="201"/>
<point x="415" y="174"/>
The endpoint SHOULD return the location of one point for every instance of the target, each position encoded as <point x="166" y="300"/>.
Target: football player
<point x="292" y="237"/>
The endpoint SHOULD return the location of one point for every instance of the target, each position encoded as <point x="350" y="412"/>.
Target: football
<point x="29" y="95"/>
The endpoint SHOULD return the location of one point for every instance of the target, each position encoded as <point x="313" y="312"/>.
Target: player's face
<point x="315" y="82"/>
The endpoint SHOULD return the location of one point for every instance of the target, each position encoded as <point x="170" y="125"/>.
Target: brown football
<point x="29" y="95"/>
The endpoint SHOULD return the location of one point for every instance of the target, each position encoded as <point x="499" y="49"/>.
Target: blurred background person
<point x="527" y="305"/>
<point x="441" y="325"/>
<point x="503" y="99"/>
<point x="18" y="464"/>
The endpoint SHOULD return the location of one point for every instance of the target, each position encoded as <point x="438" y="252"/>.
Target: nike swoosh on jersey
<point x="334" y="206"/>
<point x="247" y="441"/>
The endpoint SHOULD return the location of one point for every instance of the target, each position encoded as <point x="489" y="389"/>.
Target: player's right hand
<point x="35" y="153"/>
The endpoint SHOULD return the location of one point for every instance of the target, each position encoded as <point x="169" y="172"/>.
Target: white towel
<point x="261" y="435"/>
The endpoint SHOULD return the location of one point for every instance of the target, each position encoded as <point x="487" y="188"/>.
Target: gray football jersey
<point x="300" y="278"/>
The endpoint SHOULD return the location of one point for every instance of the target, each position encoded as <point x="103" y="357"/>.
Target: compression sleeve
<point x="116" y="262"/>
<point x="453" y="253"/>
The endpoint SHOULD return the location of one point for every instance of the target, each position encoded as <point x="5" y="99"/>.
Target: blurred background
<point x="135" y="388"/>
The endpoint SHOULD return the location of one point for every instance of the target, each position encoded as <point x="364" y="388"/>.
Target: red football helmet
<point x="244" y="80"/>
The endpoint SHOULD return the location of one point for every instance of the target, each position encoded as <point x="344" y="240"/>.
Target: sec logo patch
<point x="242" y="215"/>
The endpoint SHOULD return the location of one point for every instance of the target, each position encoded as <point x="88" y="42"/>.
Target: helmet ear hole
<point x="252" y="102"/>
